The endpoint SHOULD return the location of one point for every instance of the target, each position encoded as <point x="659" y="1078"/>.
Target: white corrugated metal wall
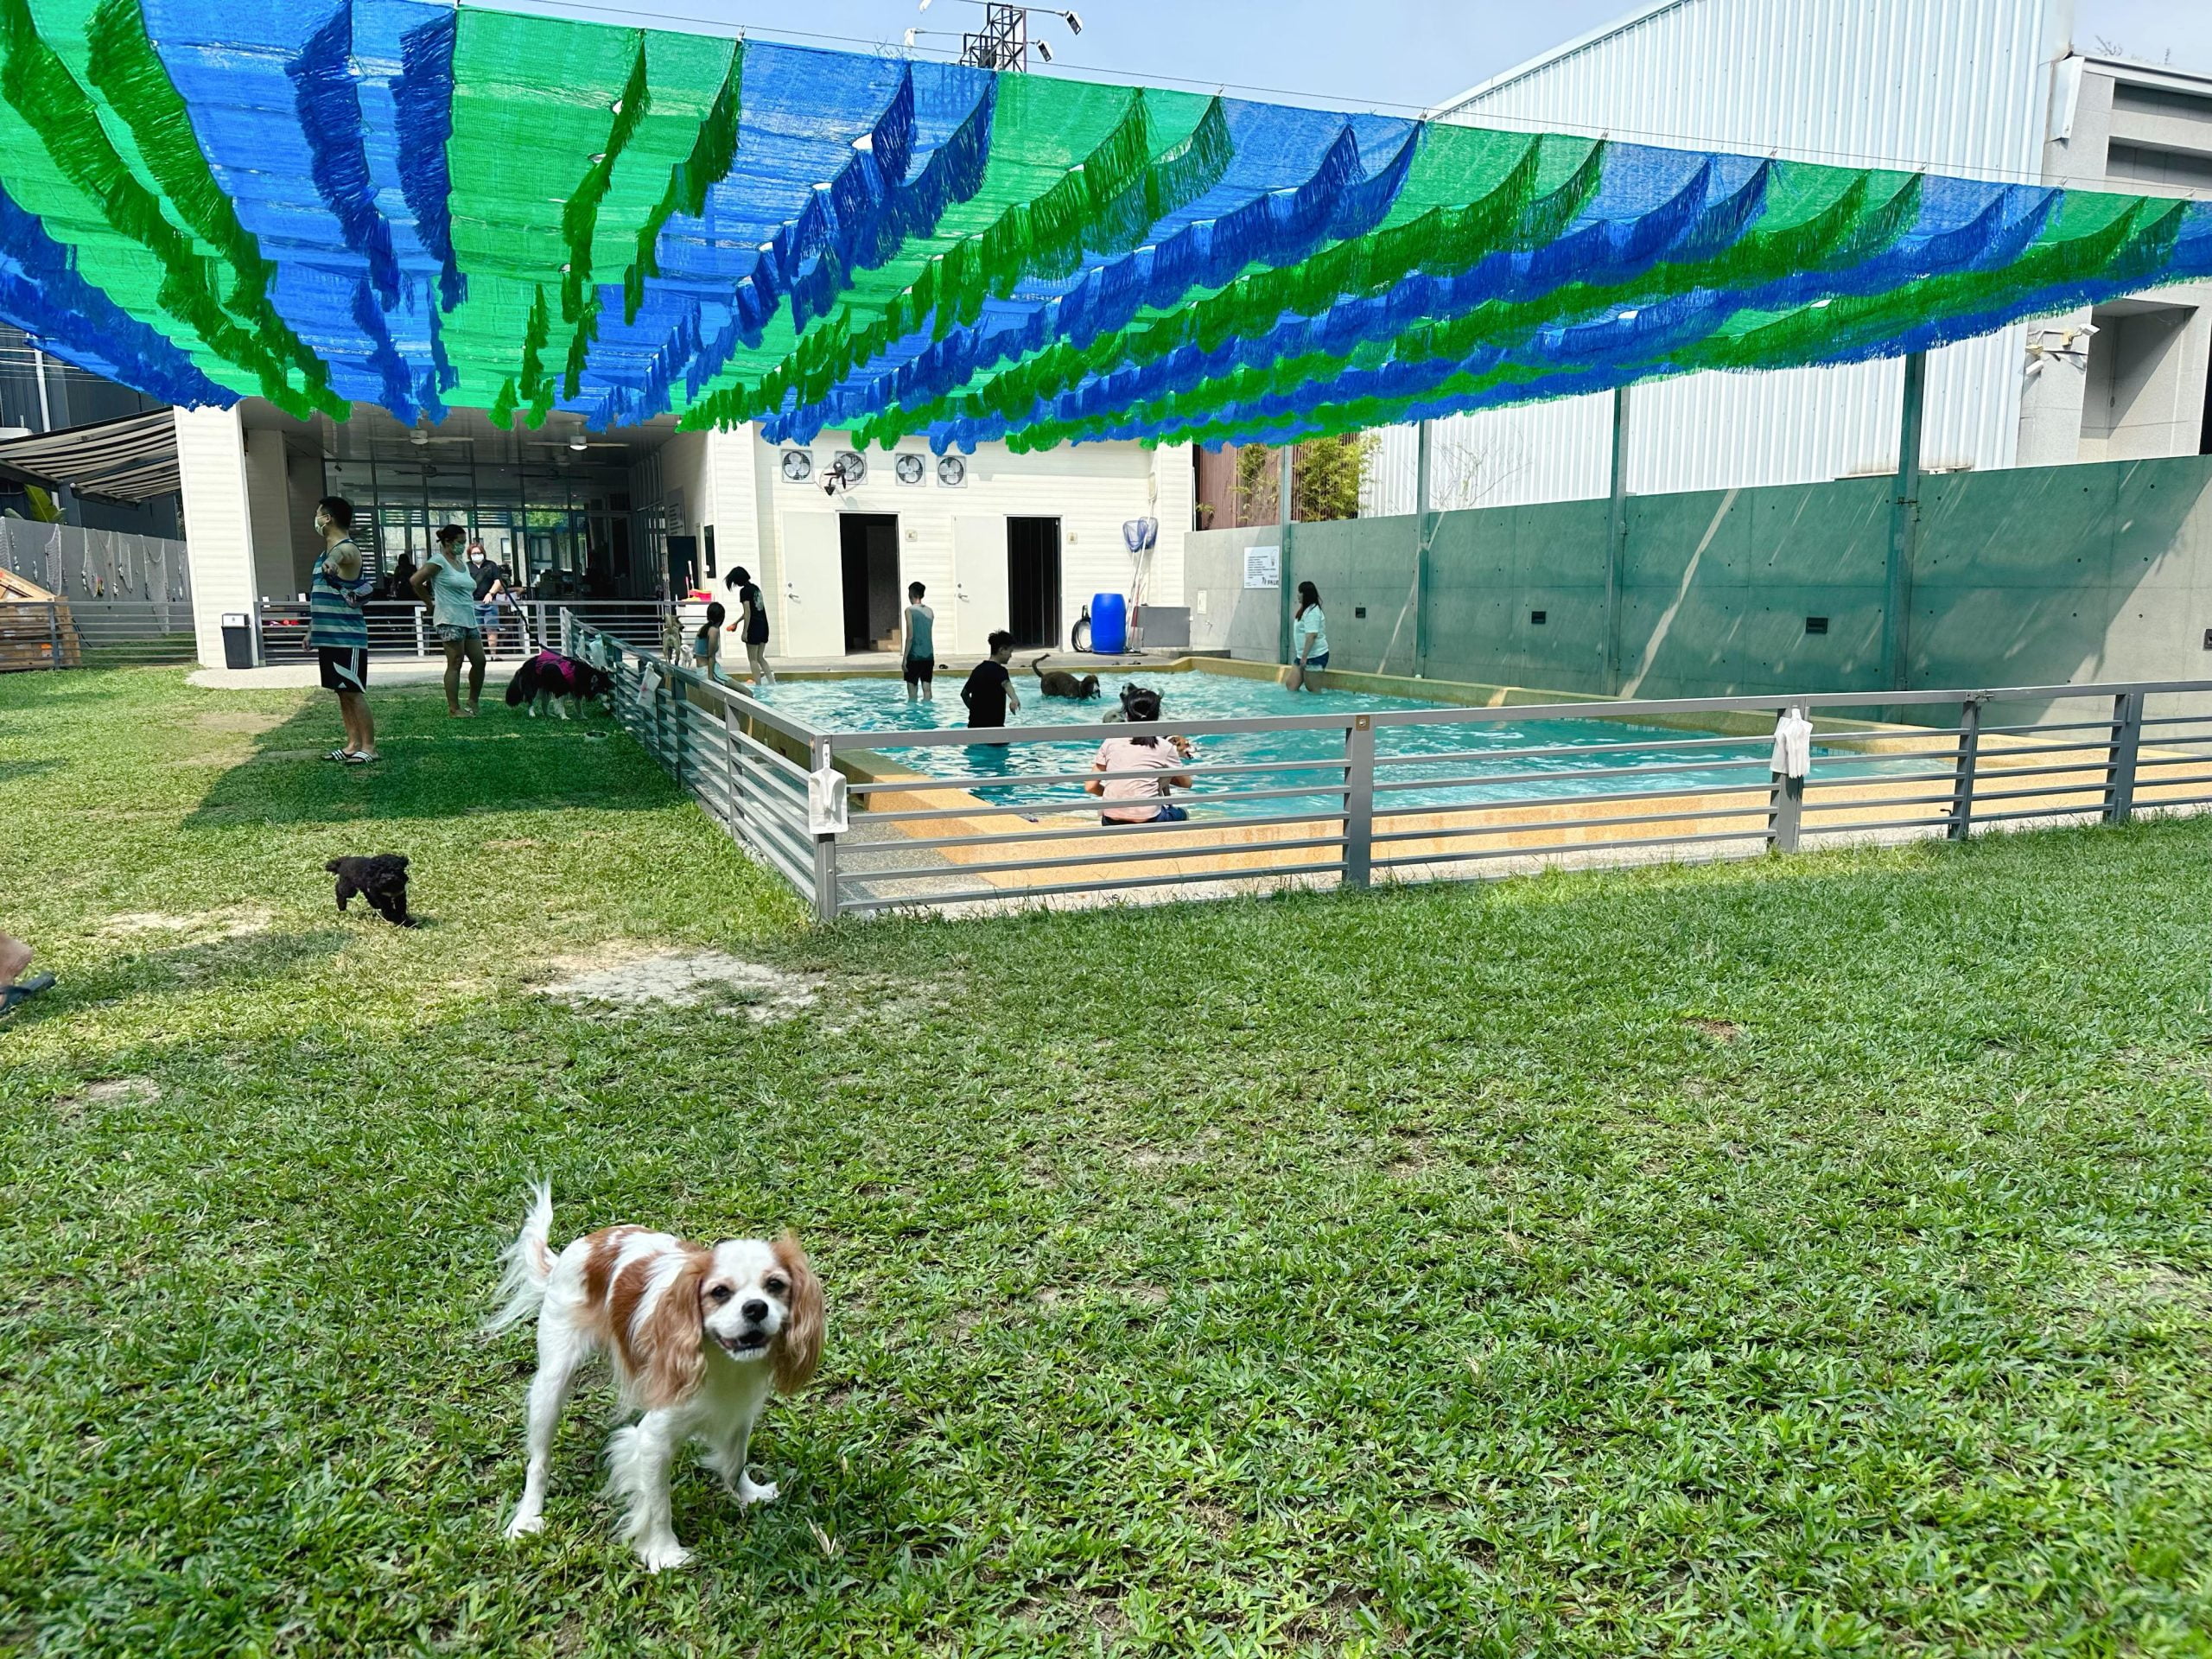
<point x="1959" y="85"/>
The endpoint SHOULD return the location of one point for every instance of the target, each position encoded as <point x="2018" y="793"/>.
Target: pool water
<point x="872" y="704"/>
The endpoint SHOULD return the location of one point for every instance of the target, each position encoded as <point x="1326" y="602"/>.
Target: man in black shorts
<point x="918" y="658"/>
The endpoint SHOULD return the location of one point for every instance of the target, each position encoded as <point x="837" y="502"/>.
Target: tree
<point x="1324" y="479"/>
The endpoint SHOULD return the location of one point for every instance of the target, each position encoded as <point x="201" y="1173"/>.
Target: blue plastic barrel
<point x="1110" y="624"/>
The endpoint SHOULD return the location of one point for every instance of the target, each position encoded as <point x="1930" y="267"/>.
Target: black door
<point x="683" y="565"/>
<point x="1033" y="582"/>
<point x="868" y="544"/>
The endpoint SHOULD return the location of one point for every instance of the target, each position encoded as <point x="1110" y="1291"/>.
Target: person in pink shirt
<point x="1158" y="760"/>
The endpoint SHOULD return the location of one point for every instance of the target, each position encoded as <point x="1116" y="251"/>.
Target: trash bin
<point x="238" y="639"/>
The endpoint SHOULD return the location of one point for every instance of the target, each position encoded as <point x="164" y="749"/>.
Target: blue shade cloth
<point x="274" y="103"/>
<point x="42" y="295"/>
<point x="815" y="285"/>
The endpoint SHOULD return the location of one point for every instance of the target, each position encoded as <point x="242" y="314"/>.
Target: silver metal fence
<point x="726" y="750"/>
<point x="401" y="627"/>
<point x="108" y="633"/>
<point x="945" y="817"/>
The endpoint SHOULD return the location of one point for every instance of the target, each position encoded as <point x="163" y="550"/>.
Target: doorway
<point x="868" y="544"/>
<point x="1033" y="582"/>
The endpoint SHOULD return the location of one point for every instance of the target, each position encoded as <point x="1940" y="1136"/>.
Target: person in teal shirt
<point x="1309" y="635"/>
<point x="917" y="660"/>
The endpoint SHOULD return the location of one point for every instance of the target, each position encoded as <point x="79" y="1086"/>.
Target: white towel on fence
<point x="1793" y="744"/>
<point x="827" y="813"/>
<point x="648" y="686"/>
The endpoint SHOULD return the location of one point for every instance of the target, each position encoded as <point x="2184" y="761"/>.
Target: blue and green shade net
<point x="395" y="202"/>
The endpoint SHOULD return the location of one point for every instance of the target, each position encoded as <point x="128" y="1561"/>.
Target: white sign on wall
<point x="1263" y="566"/>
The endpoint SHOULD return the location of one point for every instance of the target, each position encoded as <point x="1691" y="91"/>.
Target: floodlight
<point x="1075" y="24"/>
<point x="1042" y="50"/>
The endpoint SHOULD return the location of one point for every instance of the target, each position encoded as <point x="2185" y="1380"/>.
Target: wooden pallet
<point x="28" y="630"/>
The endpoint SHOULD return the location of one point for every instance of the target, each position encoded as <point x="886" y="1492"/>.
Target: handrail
<point x="700" y="728"/>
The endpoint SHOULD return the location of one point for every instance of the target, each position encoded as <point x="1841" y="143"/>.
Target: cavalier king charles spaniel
<point x="699" y="1336"/>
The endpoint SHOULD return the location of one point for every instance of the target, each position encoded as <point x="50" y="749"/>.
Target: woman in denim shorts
<point x="446" y="584"/>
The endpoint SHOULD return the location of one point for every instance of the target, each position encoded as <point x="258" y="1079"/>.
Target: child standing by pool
<point x="917" y="661"/>
<point x="989" y="691"/>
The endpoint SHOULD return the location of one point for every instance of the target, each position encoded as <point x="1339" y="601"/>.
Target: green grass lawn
<point x="1807" y="1257"/>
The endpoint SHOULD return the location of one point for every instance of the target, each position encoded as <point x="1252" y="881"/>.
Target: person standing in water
<point x="918" y="660"/>
<point x="1309" y="635"/>
<point x="446" y="585"/>
<point x="989" y="692"/>
<point x="752" y="624"/>
<point x="337" y="632"/>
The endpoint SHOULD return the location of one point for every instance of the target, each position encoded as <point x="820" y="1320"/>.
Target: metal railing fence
<point x="943" y="818"/>
<point x="102" y="633"/>
<point x="401" y="627"/>
<point x="711" y="740"/>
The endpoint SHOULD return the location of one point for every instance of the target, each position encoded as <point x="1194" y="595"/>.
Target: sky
<point x="1385" y="55"/>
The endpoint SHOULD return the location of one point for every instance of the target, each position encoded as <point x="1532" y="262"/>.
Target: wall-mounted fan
<point x="798" y="466"/>
<point x="849" y="471"/>
<point x="910" y="469"/>
<point x="951" y="472"/>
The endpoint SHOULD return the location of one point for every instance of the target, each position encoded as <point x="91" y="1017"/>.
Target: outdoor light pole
<point x="1004" y="41"/>
<point x="1905" y="527"/>
<point x="1616" y="542"/>
<point x="1424" y="532"/>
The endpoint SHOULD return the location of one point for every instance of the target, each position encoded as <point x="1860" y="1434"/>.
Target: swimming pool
<point x="997" y="771"/>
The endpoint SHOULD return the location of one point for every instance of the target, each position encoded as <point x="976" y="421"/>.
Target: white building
<point x="1988" y="89"/>
<point x="1001" y="541"/>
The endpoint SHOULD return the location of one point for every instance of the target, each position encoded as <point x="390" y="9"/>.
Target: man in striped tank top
<point x="337" y="629"/>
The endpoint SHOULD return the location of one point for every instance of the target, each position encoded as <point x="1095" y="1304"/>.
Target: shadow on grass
<point x="183" y="969"/>
<point x="433" y="766"/>
<point x="11" y="771"/>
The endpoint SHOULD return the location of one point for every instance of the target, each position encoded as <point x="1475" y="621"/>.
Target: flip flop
<point x="337" y="754"/>
<point x="360" y="758"/>
<point x="11" y="994"/>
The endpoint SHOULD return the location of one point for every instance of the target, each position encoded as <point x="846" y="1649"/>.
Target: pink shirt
<point x="1128" y="754"/>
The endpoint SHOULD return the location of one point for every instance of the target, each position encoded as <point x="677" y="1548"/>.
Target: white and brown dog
<point x="700" y="1337"/>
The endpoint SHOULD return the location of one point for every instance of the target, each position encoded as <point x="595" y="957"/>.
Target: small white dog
<point x="699" y="1336"/>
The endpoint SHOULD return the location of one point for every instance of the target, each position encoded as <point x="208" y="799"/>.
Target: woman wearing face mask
<point x="337" y="632"/>
<point x="446" y="585"/>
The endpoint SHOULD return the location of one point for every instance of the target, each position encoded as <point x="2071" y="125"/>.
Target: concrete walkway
<point x="418" y="670"/>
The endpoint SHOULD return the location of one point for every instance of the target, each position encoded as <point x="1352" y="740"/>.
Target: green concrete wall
<point x="2053" y="574"/>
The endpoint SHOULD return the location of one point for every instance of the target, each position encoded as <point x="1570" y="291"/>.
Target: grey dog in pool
<point x="1058" y="682"/>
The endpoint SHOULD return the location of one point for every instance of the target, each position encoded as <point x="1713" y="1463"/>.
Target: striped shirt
<point x="334" y="616"/>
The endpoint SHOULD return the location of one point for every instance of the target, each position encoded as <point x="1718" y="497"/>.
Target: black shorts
<point x="758" y="633"/>
<point x="345" y="668"/>
<point x="917" y="671"/>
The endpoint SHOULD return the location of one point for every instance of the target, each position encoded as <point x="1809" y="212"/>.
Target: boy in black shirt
<point x="989" y="692"/>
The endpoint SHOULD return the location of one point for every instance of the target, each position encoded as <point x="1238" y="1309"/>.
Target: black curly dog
<point x="382" y="881"/>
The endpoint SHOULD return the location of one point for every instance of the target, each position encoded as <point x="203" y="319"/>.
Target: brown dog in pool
<point x="1058" y="682"/>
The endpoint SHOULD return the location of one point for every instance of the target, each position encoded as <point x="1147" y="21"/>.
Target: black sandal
<point x="11" y="994"/>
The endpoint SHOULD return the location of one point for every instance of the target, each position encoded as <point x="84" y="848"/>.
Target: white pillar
<point x="269" y="511"/>
<point x="1173" y="492"/>
<point x="2054" y="389"/>
<point x="212" y="473"/>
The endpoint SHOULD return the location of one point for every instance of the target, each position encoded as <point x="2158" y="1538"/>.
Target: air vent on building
<point x="1816" y="625"/>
